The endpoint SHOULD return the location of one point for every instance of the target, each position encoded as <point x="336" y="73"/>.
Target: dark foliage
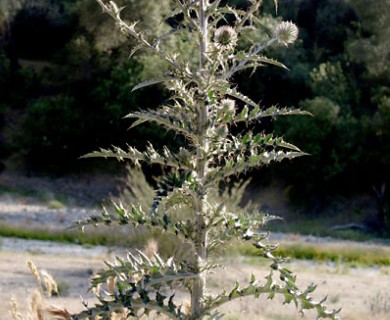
<point x="62" y="96"/>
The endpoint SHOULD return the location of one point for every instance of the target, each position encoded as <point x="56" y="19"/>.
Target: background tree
<point x="342" y="78"/>
<point x="70" y="66"/>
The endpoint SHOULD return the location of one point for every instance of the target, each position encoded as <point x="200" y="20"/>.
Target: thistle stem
<point x="203" y="23"/>
<point x="199" y="284"/>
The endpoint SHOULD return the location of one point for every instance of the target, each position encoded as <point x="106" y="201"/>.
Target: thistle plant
<point x="206" y="108"/>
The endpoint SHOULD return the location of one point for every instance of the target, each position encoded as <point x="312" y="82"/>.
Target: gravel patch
<point x="52" y="203"/>
<point x="17" y="211"/>
<point x="52" y="248"/>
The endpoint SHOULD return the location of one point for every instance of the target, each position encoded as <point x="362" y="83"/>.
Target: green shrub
<point x="51" y="134"/>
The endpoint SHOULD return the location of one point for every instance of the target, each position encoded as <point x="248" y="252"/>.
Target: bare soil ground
<point x="363" y="293"/>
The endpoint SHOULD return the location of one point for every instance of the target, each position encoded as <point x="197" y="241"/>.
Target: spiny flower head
<point x="225" y="38"/>
<point x="227" y="104"/>
<point x="226" y="107"/>
<point x="286" y="32"/>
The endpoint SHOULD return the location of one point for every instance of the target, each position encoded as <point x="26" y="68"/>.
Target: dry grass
<point x="40" y="308"/>
<point x="354" y="254"/>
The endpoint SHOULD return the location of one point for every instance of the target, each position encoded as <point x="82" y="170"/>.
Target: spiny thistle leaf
<point x="245" y="227"/>
<point x="288" y="290"/>
<point x="241" y="153"/>
<point x="214" y="7"/>
<point x="136" y="216"/>
<point x="171" y="118"/>
<point x="260" y="60"/>
<point x="223" y="11"/>
<point x="105" y="309"/>
<point x="183" y="196"/>
<point x="144" y="272"/>
<point x="148" y="83"/>
<point x="275" y="111"/>
<point x="236" y="94"/>
<point x="150" y="156"/>
<point x="276" y="6"/>
<point x="236" y="164"/>
<point x="174" y="189"/>
<point x="256" y="113"/>
<point x="135" y="49"/>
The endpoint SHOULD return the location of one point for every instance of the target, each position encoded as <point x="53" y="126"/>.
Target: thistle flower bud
<point x="221" y="131"/>
<point x="228" y="105"/>
<point x="286" y="33"/>
<point x="225" y="38"/>
<point x="226" y="108"/>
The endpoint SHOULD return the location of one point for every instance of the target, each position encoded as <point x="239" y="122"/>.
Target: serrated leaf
<point x="307" y="305"/>
<point x="312" y="287"/>
<point x="171" y="305"/>
<point x="148" y="83"/>
<point x="211" y="96"/>
<point x="254" y="112"/>
<point x="214" y="6"/>
<point x="230" y="10"/>
<point x="271" y="296"/>
<point x="276" y="6"/>
<point x="253" y="159"/>
<point x="256" y="61"/>
<point x="288" y="298"/>
<point x="171" y="118"/>
<point x="257" y="113"/>
<point x="236" y="94"/>
<point x="137" y="123"/>
<point x="287" y="145"/>
<point x="267" y="60"/>
<point x="160" y="298"/>
<point x="243" y="115"/>
<point x="135" y="49"/>
<point x="246" y="138"/>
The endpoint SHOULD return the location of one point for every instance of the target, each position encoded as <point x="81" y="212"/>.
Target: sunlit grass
<point x="338" y="253"/>
<point x="319" y="228"/>
<point x="355" y="256"/>
<point x="108" y="236"/>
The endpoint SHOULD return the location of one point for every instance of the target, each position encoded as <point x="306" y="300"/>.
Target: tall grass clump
<point x="40" y="308"/>
<point x="214" y="118"/>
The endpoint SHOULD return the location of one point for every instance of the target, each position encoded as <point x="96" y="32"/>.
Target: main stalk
<point x="199" y="284"/>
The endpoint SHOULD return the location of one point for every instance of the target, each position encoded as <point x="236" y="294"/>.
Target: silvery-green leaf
<point x="148" y="83"/>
